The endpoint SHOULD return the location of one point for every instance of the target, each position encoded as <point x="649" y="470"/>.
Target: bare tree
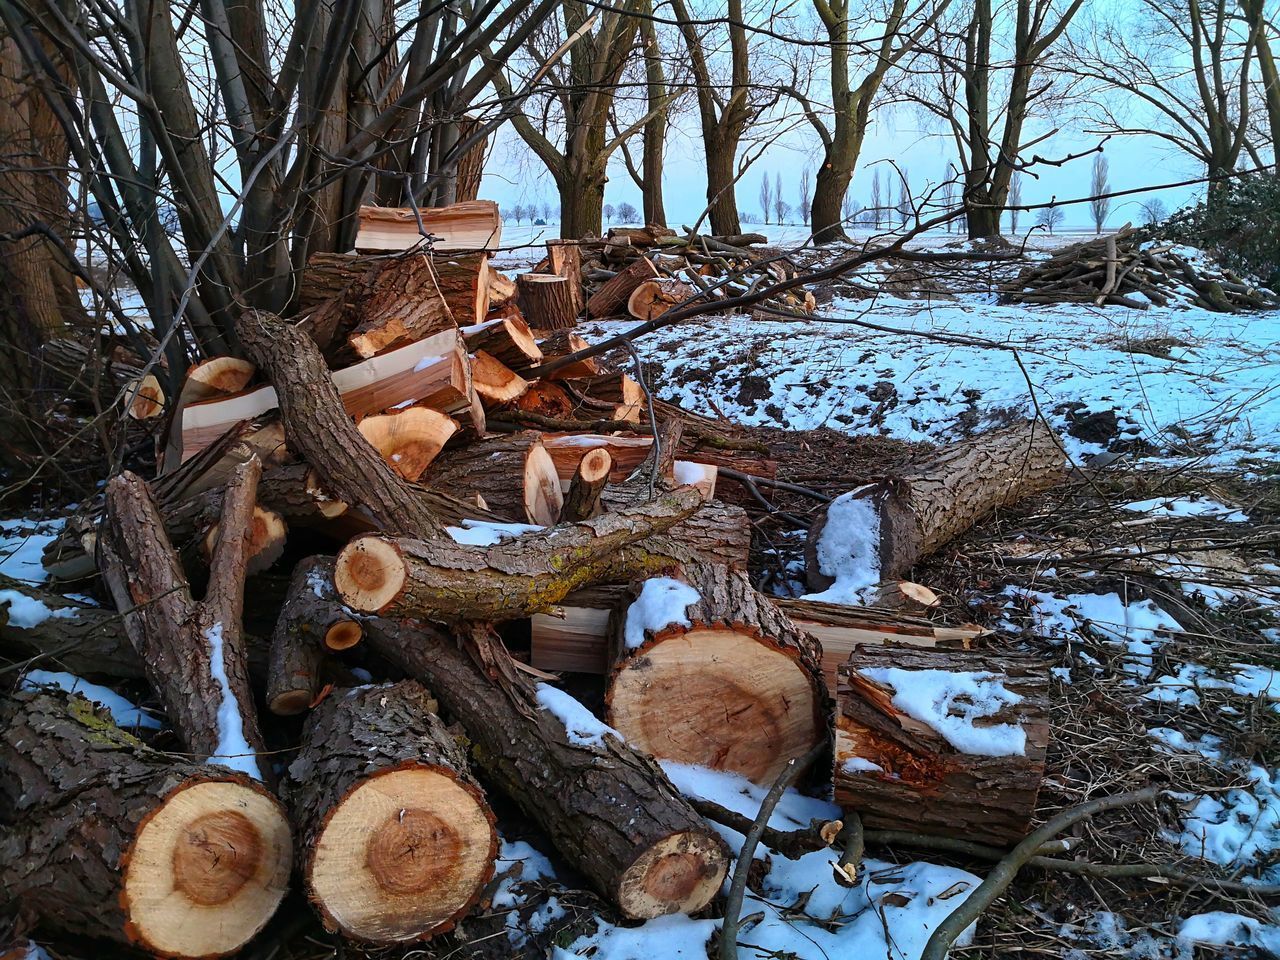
<point x="1099" y="184"/>
<point x="1261" y="27"/>
<point x="1153" y="210"/>
<point x="766" y="196"/>
<point x="626" y="212"/>
<point x="877" y="200"/>
<point x="888" y="38"/>
<point x="804" y="204"/>
<point x="849" y="209"/>
<point x="904" y="207"/>
<point x="1050" y="218"/>
<point x="780" y="207"/>
<point x="648" y="174"/>
<point x="610" y="212"/>
<point x="1015" y="200"/>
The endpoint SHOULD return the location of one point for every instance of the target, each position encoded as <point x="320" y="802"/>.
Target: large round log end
<point x="369" y="573"/>
<point x="207" y="869"/>
<point x="402" y="856"/>
<point x="679" y="874"/>
<point x="408" y="440"/>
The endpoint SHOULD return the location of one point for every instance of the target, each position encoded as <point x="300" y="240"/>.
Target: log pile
<point x="424" y="499"/>
<point x="1130" y="269"/>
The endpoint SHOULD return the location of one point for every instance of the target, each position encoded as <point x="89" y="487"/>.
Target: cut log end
<point x="679" y="874"/>
<point x="207" y="870"/>
<point x="147" y="401"/>
<point x="370" y="573"/>
<point x="543" y="496"/>
<point x="402" y="856"/>
<point x="343" y="635"/>
<point x="716" y="697"/>
<point x="408" y="440"/>
<point x="495" y="382"/>
<point x="217" y="377"/>
<point x="267" y="536"/>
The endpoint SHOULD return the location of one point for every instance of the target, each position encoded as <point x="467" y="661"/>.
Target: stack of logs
<point x="394" y="457"/>
<point x="1130" y="269"/>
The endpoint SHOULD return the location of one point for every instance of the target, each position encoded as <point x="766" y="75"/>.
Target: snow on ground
<point x="1216" y="398"/>
<point x="22" y="544"/>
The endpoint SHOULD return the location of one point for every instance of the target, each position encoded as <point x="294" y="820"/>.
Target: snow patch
<point x="27" y="612"/>
<point x="1239" y="828"/>
<point x="663" y="602"/>
<point x="1221" y="929"/>
<point x="233" y="749"/>
<point x="580" y="724"/>
<point x="1190" y="506"/>
<point x="849" y="548"/>
<point x="860" y="765"/>
<point x="952" y="703"/>
<point x="124" y="712"/>
<point x="22" y="544"/>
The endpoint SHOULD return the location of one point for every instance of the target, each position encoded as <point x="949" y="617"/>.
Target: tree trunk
<point x="447" y="582"/>
<point x="582" y="194"/>
<point x="722" y="155"/>
<point x="105" y="837"/>
<point x="397" y="841"/>
<point x="714" y="675"/>
<point x="926" y="506"/>
<point x="194" y="653"/>
<point x="900" y="773"/>
<point x="312" y="621"/>
<point x="512" y="474"/>
<point x="609" y="810"/>
<point x="547" y="301"/>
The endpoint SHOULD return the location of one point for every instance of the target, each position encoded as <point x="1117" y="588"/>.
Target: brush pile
<point x="1129" y="269"/>
<point x="396" y="525"/>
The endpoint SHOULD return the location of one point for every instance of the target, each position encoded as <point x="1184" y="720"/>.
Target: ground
<point x="1148" y="581"/>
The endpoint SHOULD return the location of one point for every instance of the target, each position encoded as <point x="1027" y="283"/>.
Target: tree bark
<point x="397" y="841"/>
<point x="608" y="809"/>
<point x="611" y="298"/>
<point x="906" y="775"/>
<point x="194" y="653"/>
<point x="547" y="301"/>
<point x="730" y="683"/>
<point x="928" y="505"/>
<point x="107" y="838"/>
<point x="446" y="582"/>
<point x="312" y="621"/>
<point x="565" y="260"/>
<point x="513" y="474"/>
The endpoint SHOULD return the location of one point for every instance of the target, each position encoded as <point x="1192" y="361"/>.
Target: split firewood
<point x="950" y="743"/>
<point x="104" y="837"/>
<point x="417" y="371"/>
<point x="901" y="596"/>
<point x="564" y="259"/>
<point x="145" y="398"/>
<point x="216" y="377"/>
<point x="312" y="620"/>
<point x="401" y="304"/>
<point x="502" y="289"/>
<point x="706" y="671"/>
<point x="615" y="388"/>
<point x="507" y="339"/>
<point x="409" y="439"/>
<point x="445" y="581"/>
<point x="495" y="382"/>
<point x="194" y="653"/>
<point x="567" y="451"/>
<point x="653" y="298"/>
<point x="609" y="810"/>
<point x="582" y="502"/>
<point x="548" y="399"/>
<point x="562" y="343"/>
<point x="513" y="474"/>
<point x="267" y="534"/>
<point x="396" y="838"/>
<point x="468" y="225"/>
<point x="546" y="300"/>
<point x="700" y="475"/>
<point x="611" y="298"/>
<point x="911" y="514"/>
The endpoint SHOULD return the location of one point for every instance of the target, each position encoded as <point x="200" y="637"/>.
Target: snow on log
<point x="706" y="671"/>
<point x="950" y="743"/>
<point x="879" y="531"/>
<point x="396" y="840"/>
<point x="312" y="620"/>
<point x="513" y="474"/>
<point x="104" y="837"/>
<point x="609" y="810"/>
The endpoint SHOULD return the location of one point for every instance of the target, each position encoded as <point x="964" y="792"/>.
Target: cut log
<point x="610" y="299"/>
<point x="463" y="280"/>
<point x="546" y="300"/>
<point x="105" y="837"/>
<point x="410" y="439"/>
<point x="194" y="653"/>
<point x="568" y="449"/>
<point x="546" y="399"/>
<point x="312" y="620"/>
<point x="615" y="388"/>
<point x="513" y="474"/>
<point x="707" y="671"/>
<point x="609" y="810"/>
<point x="267" y="534"/>
<point x="470" y="225"/>
<point x="216" y="377"/>
<point x="396" y="839"/>
<point x="653" y="298"/>
<point x="573" y="634"/>
<point x="564" y="259"/>
<point x="561" y="344"/>
<point x="401" y="303"/>
<point x="447" y="582"/>
<point x="582" y="502"/>
<point x="145" y="398"/>
<point x="902" y="596"/>
<point x="405" y="375"/>
<point x="495" y="382"/>
<point x="950" y="743"/>
<point x="507" y="339"/>
<point x="502" y="289"/>
<point x="921" y="509"/>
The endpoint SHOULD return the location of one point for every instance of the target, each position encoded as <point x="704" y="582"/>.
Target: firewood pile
<point x="1129" y="269"/>
<point x="450" y="531"/>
